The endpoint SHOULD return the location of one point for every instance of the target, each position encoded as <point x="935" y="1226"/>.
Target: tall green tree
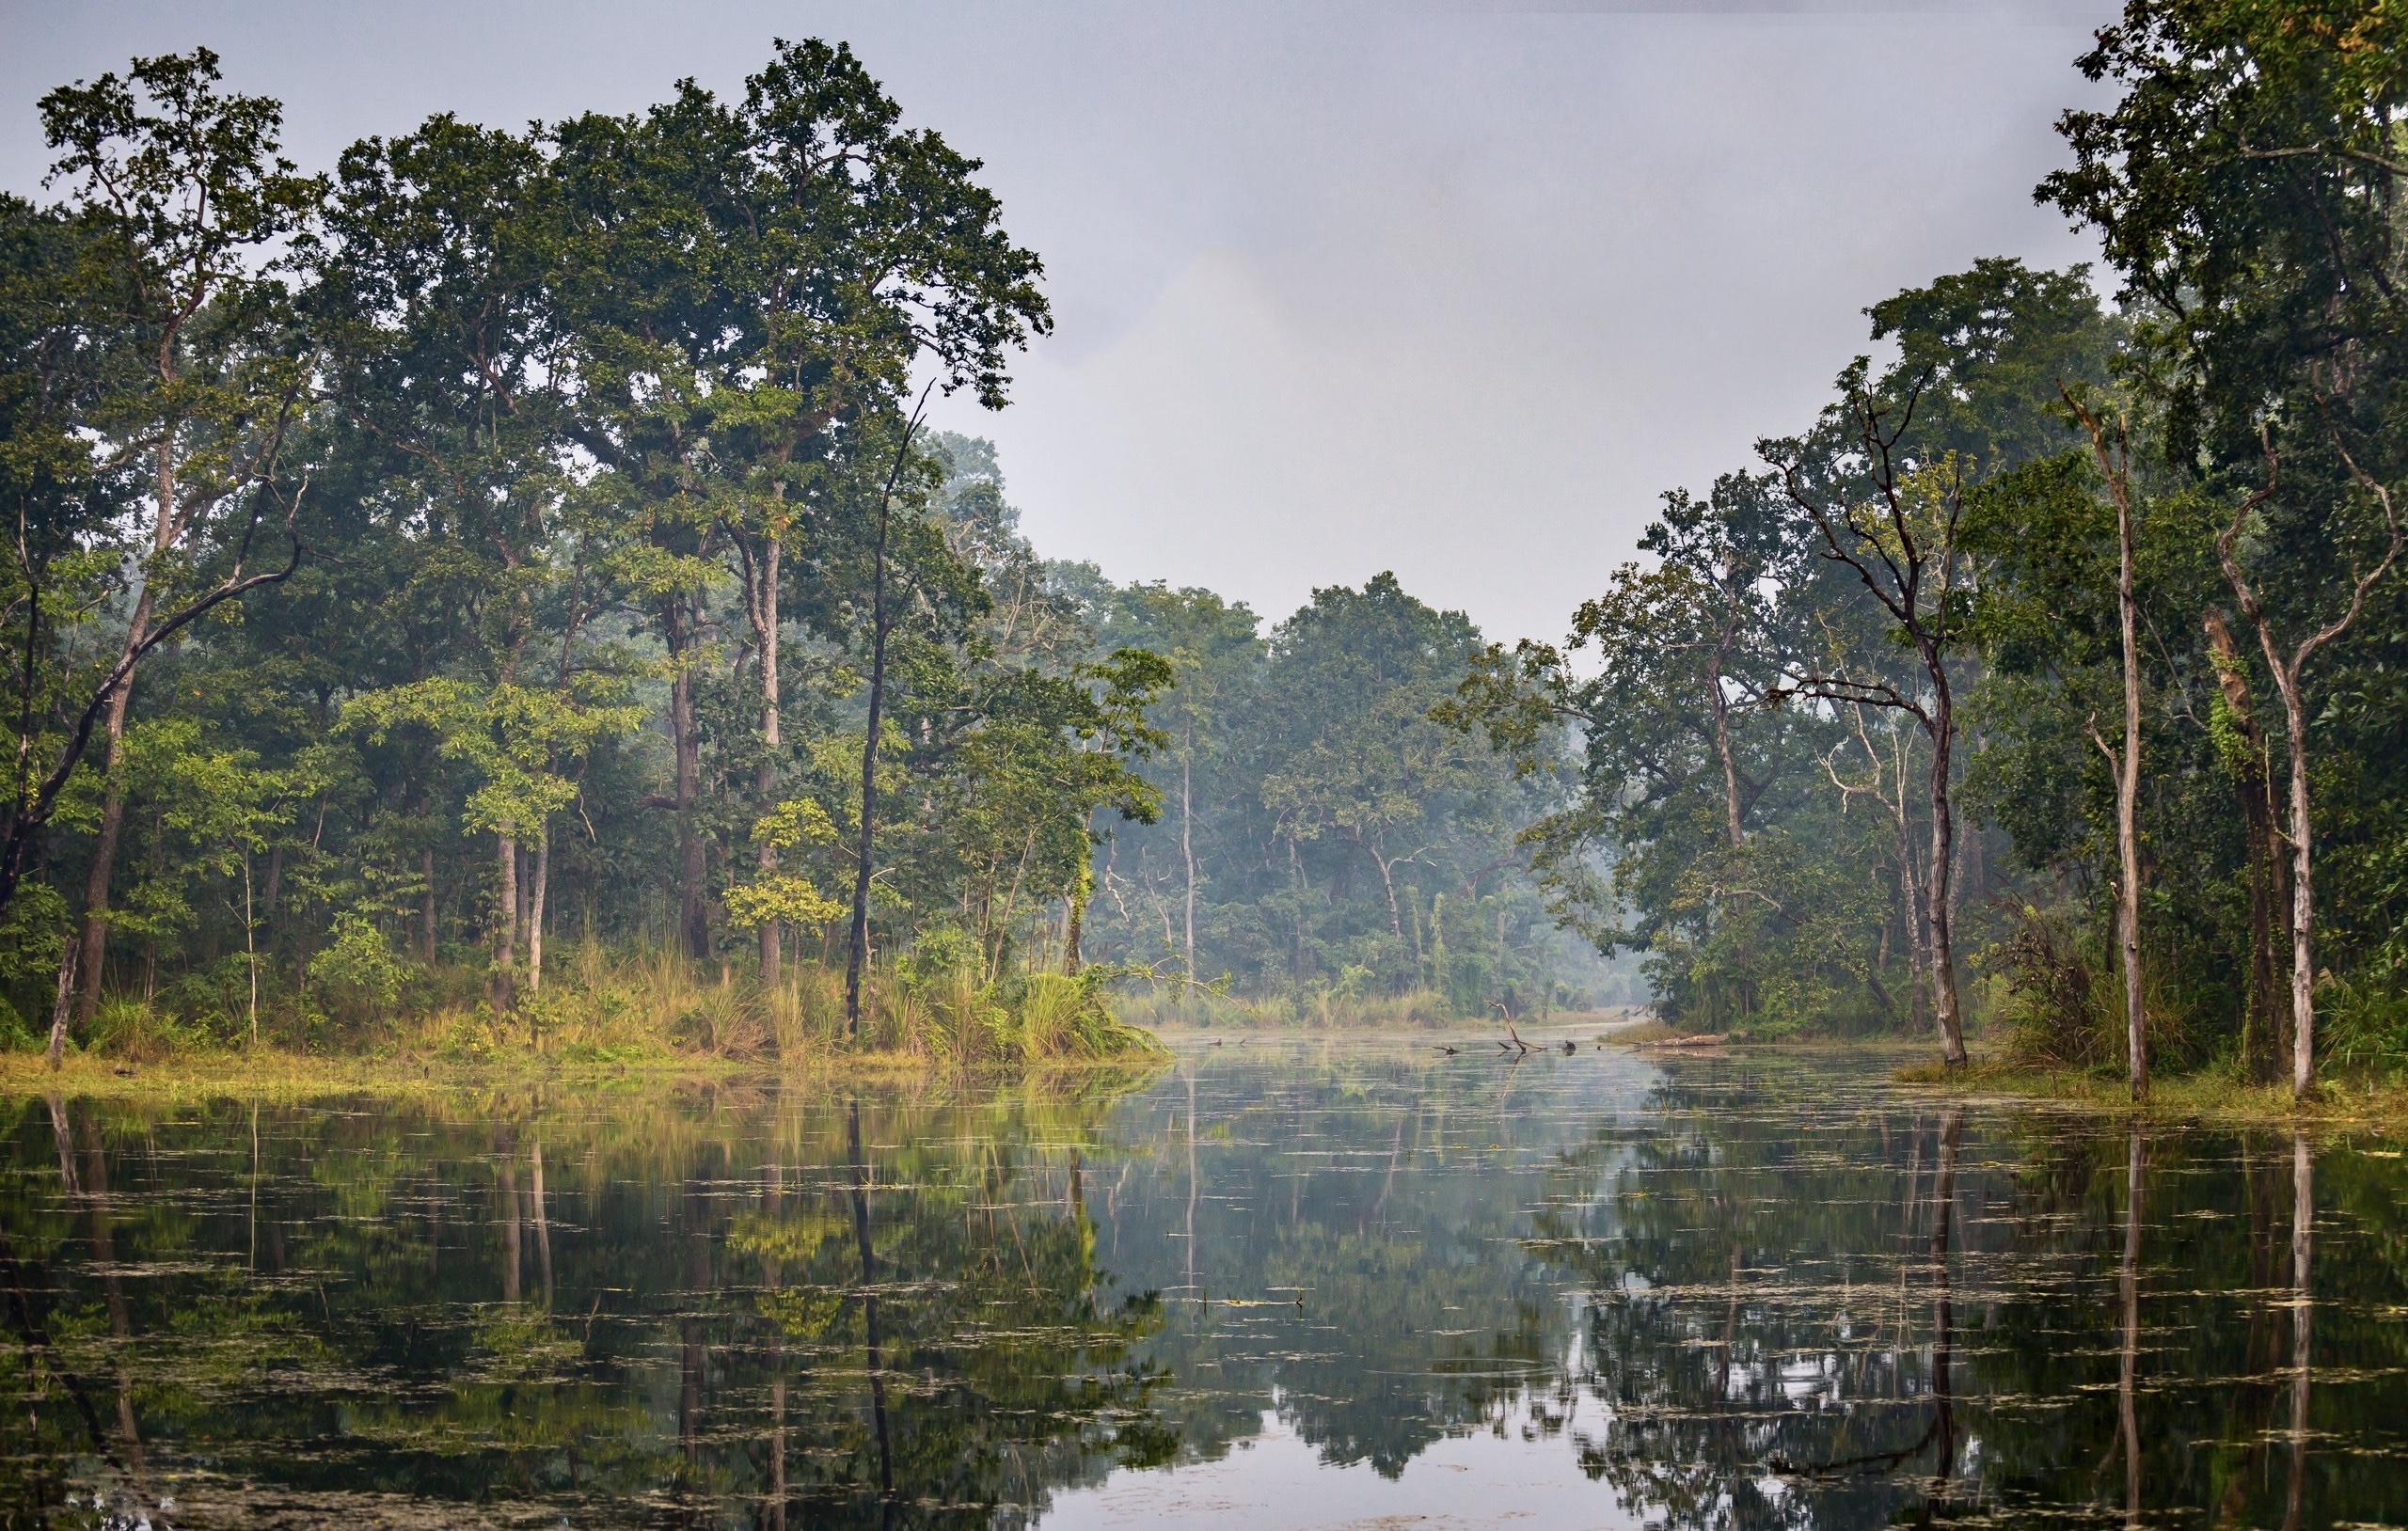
<point x="2247" y="187"/>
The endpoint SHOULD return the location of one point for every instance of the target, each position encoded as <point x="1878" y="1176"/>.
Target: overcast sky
<point x="1449" y="290"/>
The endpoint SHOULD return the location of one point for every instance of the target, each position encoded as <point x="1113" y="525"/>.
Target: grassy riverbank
<point x="2206" y="1096"/>
<point x="599" y="1015"/>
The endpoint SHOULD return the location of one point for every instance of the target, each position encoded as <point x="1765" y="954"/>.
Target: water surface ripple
<point x="1279" y="1284"/>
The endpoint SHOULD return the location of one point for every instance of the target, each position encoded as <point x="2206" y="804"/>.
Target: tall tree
<point x="2247" y="186"/>
<point x="194" y="199"/>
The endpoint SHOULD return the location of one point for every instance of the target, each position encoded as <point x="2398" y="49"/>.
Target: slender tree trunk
<point x="1722" y="749"/>
<point x="540" y="881"/>
<point x="426" y="906"/>
<point x="63" y="1005"/>
<point x="251" y="947"/>
<point x="91" y="961"/>
<point x="1074" y="928"/>
<point x="857" y="941"/>
<point x="694" y="912"/>
<point x="2128" y="786"/>
<point x="505" y="927"/>
<point x="1943" y="952"/>
<point x="765" y="782"/>
<point x="2252" y="783"/>
<point x="2303" y="895"/>
<point x="93" y="952"/>
<point x="1187" y="845"/>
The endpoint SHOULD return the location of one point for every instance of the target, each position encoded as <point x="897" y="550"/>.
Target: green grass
<point x="2206" y="1096"/>
<point x="603" y="1014"/>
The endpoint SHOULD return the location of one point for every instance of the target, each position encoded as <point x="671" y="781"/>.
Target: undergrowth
<point x="609" y="1008"/>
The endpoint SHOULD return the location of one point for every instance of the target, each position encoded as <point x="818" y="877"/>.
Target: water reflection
<point x="1294" y="1285"/>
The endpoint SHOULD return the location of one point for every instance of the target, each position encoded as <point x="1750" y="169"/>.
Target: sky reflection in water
<point x="1278" y="1285"/>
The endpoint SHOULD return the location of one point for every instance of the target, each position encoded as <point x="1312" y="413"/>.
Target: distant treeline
<point x="2054" y="671"/>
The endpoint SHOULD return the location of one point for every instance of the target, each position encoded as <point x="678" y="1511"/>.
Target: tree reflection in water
<point x="880" y="1314"/>
<point x="1731" y="1295"/>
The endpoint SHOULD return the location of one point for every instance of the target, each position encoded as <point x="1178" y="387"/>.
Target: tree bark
<point x="535" y="910"/>
<point x="2267" y="880"/>
<point x="694" y="912"/>
<point x="426" y="907"/>
<point x="2115" y="467"/>
<point x="2303" y="894"/>
<point x="505" y="927"/>
<point x="762" y="606"/>
<point x="1187" y="849"/>
<point x="857" y="941"/>
<point x="1943" y="829"/>
<point x="2127" y="784"/>
<point x="92" y="959"/>
<point x="166" y="528"/>
<point x="1722" y="746"/>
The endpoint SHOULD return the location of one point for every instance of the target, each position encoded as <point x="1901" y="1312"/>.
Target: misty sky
<point x="1455" y="291"/>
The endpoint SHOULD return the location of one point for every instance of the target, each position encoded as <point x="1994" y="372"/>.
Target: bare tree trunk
<point x="541" y="881"/>
<point x="427" y="906"/>
<point x="1187" y="847"/>
<point x="505" y="927"/>
<point x="857" y="944"/>
<point x="2303" y="895"/>
<point x="2267" y="892"/>
<point x="1943" y="952"/>
<point x="1722" y="749"/>
<point x="857" y="941"/>
<point x="694" y="913"/>
<point x="762" y="607"/>
<point x="90" y="961"/>
<point x="2128" y="841"/>
<point x="2115" y="467"/>
<point x="63" y="1006"/>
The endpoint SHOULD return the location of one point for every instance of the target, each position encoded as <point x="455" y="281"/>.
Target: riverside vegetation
<point x="509" y="536"/>
<point x="500" y="542"/>
<point x="2048" y="681"/>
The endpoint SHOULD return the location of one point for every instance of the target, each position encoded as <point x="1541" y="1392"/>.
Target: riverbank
<point x="271" y="1074"/>
<point x="602" y="1016"/>
<point x="2199" y="1098"/>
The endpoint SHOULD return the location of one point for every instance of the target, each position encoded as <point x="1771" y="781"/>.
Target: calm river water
<point x="1277" y="1285"/>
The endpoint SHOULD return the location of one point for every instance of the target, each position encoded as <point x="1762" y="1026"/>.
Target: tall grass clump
<point x="645" y="1004"/>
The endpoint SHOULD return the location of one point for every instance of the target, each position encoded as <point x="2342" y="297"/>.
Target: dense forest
<point x="507" y="539"/>
<point x="512" y="537"/>
<point x="2050" y="676"/>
